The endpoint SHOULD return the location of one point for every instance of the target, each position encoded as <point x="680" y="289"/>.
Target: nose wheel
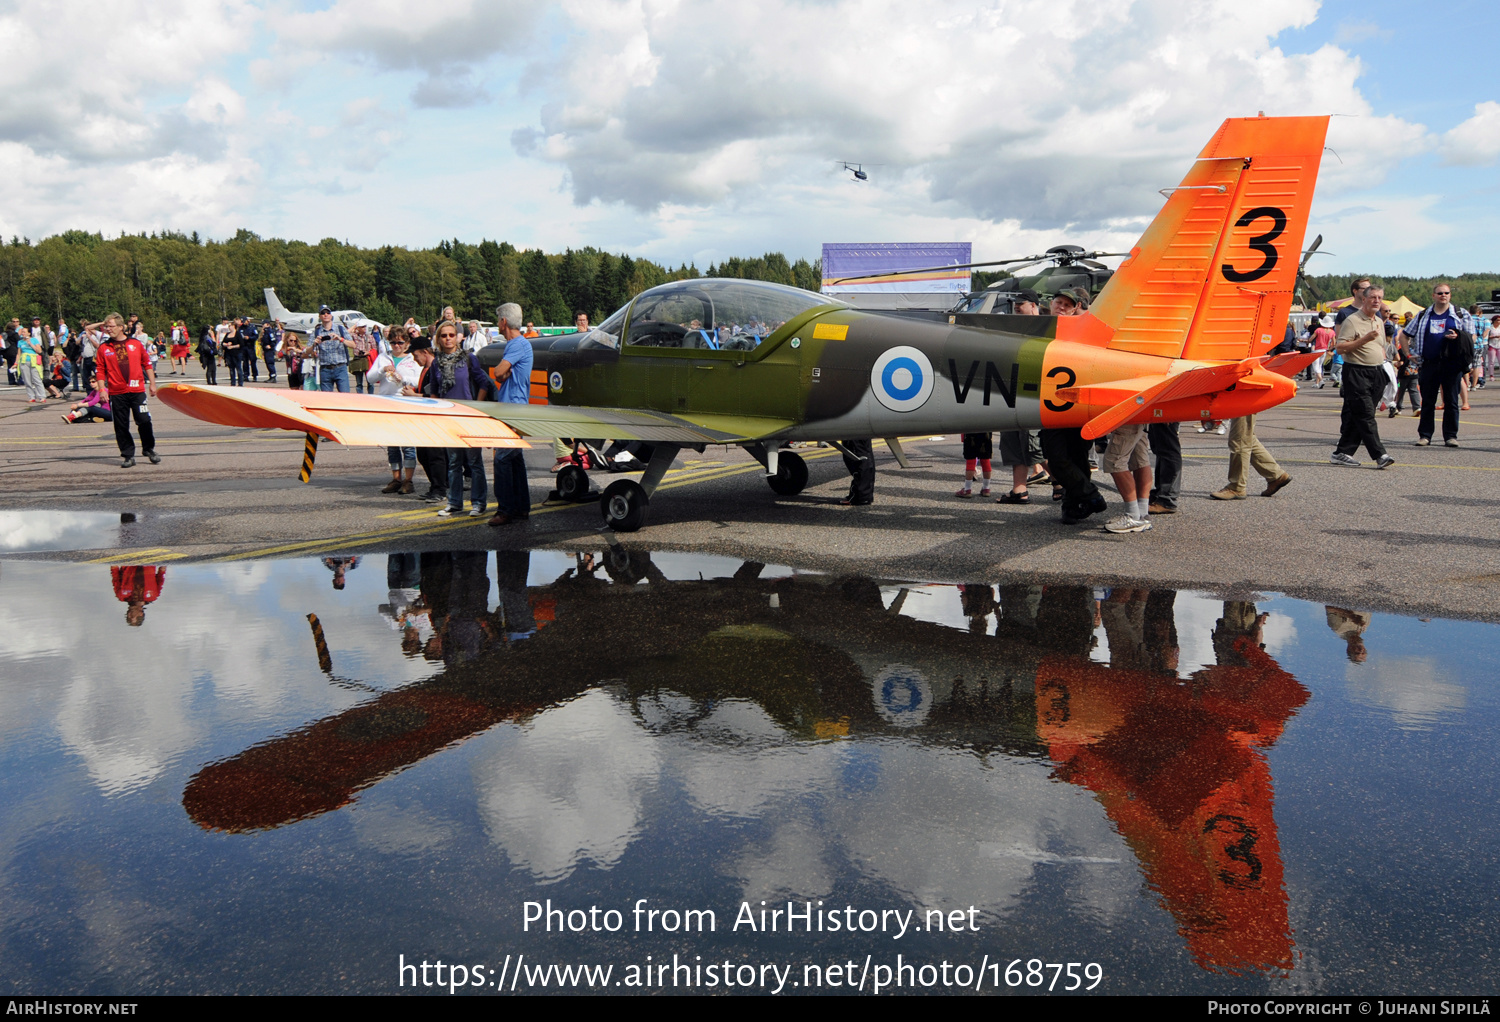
<point x="791" y="474"/>
<point x="623" y="505"/>
<point x="572" y="484"/>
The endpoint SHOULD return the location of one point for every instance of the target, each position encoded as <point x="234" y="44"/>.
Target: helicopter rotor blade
<point x="1029" y="260"/>
<point x="934" y="269"/>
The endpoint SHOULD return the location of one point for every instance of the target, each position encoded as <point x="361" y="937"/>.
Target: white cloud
<point x="135" y="131"/>
<point x="1032" y="112"/>
<point x="1477" y="140"/>
<point x="568" y="788"/>
<point x="445" y="39"/>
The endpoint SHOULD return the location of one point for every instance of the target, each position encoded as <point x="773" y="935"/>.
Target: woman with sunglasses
<point x="387" y="375"/>
<point x="456" y="374"/>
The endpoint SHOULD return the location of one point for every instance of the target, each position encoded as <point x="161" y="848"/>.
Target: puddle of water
<point x="35" y="531"/>
<point x="283" y="776"/>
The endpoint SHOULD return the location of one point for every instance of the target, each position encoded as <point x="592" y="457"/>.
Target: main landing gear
<point x="623" y="503"/>
<point x="786" y="472"/>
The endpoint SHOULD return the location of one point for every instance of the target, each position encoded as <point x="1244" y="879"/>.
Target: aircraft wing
<point x="370" y="420"/>
<point x="540" y="420"/>
<point x="354" y="419"/>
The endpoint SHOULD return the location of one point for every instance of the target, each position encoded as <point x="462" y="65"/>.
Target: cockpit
<point x="707" y="314"/>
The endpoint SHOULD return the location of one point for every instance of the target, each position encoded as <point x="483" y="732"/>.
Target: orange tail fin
<point x="1212" y="278"/>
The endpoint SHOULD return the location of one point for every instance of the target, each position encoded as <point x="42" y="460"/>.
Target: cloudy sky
<point x="690" y="130"/>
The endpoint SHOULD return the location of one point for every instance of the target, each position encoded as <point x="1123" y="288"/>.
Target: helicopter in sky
<point x="857" y="169"/>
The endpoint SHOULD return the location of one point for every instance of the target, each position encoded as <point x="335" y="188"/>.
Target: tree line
<point x="1467" y="288"/>
<point x="167" y="276"/>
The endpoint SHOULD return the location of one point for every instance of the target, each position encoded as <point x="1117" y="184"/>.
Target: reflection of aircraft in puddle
<point x="809" y="657"/>
<point x="1178" y="767"/>
<point x="1173" y="762"/>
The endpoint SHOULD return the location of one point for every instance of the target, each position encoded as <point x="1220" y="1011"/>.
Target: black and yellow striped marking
<point x="309" y="455"/>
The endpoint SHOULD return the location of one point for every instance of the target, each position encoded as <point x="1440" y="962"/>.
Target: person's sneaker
<point x="1384" y="461"/>
<point x="435" y="496"/>
<point x="407" y="487"/>
<point x="1393" y="412"/>
<point x="964" y="492"/>
<point x="1228" y="494"/>
<point x="449" y="511"/>
<point x="1223" y="428"/>
<point x="476" y="512"/>
<point x="1039" y="478"/>
<point x="127" y="463"/>
<point x="394" y="486"/>
<point x="560" y="462"/>
<point x="1422" y="441"/>
<point x="1162" y="509"/>
<point x="1125" y="523"/>
<point x="1273" y="486"/>
<point x="1450" y="442"/>
<point x="1340" y="458"/>
<point x="155" y="458"/>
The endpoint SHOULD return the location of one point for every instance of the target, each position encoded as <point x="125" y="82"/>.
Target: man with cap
<point x="1066" y="450"/>
<point x="434" y="460"/>
<point x="331" y="344"/>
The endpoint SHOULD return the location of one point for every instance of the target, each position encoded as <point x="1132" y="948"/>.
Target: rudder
<point x="1212" y="277"/>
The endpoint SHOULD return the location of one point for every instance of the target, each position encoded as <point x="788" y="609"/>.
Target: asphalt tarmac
<point x="1417" y="538"/>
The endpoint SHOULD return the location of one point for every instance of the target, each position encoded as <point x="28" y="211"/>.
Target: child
<point x="978" y="450"/>
<point x="94" y="406"/>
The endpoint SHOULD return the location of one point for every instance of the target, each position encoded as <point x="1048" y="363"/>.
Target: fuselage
<point x="836" y="372"/>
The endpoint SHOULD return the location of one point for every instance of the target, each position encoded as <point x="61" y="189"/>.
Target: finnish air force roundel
<point x="902" y="379"/>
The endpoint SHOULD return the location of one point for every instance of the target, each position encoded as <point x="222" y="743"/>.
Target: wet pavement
<point x="297" y="775"/>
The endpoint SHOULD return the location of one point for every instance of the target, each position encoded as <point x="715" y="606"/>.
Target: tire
<point x="572" y="483"/>
<point x="623" y="505"/>
<point x="791" y="474"/>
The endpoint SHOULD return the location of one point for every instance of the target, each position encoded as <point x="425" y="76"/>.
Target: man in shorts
<point x="1128" y="460"/>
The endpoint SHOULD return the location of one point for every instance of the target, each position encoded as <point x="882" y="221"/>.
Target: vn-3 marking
<point x="993" y="380"/>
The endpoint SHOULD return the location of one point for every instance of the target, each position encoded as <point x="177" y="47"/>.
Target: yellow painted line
<point x="674" y="475"/>
<point x="363" y="538"/>
<point x="153" y="553"/>
<point x="313" y="547"/>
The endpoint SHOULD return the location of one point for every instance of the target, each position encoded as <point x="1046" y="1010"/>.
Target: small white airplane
<point x="303" y="322"/>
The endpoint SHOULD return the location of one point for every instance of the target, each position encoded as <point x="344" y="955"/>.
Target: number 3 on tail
<point x="1260" y="243"/>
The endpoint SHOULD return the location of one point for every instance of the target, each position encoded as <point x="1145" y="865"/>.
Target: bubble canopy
<point x="710" y="314"/>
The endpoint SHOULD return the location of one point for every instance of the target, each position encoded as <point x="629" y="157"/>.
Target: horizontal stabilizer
<point x="1291" y="363"/>
<point x="1141" y="406"/>
<point x="353" y="419"/>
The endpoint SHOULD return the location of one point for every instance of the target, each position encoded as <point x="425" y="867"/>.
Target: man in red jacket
<point x="128" y="375"/>
<point x="135" y="586"/>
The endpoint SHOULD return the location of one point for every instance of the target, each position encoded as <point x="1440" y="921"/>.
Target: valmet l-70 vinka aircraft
<point x="1179" y="333"/>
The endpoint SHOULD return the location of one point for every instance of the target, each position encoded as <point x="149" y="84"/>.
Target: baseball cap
<point x="1027" y="294"/>
<point x="1078" y="294"/>
<point x="322" y="309"/>
<point x="419" y="342"/>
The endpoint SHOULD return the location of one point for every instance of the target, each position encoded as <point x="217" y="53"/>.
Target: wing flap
<point x="632" y="424"/>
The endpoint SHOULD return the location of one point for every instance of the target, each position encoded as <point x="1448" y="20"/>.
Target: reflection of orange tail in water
<point x="320" y="768"/>
<point x="1177" y="769"/>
